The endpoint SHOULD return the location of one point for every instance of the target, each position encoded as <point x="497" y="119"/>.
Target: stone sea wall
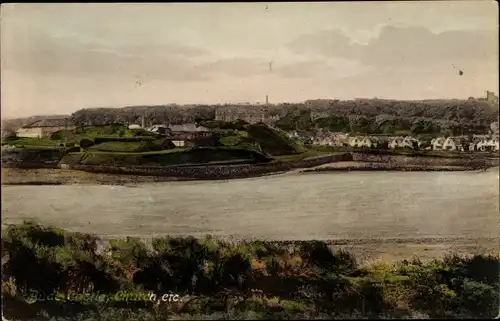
<point x="215" y="171"/>
<point x="26" y="158"/>
<point x="395" y="161"/>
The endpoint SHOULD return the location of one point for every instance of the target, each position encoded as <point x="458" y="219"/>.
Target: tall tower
<point x="142" y="121"/>
<point x="267" y="100"/>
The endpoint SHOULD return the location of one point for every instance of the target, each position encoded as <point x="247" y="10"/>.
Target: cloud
<point x="236" y="67"/>
<point x="320" y="68"/>
<point x="402" y="45"/>
<point x="45" y="54"/>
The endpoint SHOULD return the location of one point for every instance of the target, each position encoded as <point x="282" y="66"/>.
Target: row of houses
<point x="454" y="143"/>
<point x="464" y="143"/>
<point x="346" y="140"/>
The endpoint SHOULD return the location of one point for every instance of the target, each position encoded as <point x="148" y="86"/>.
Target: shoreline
<point x="54" y="177"/>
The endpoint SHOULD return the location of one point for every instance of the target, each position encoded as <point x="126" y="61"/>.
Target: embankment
<point x="112" y="175"/>
<point x="30" y="158"/>
<point x="373" y="162"/>
<point x="427" y="163"/>
<point x="211" y="172"/>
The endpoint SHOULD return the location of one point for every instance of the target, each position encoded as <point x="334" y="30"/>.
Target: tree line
<point x="360" y="115"/>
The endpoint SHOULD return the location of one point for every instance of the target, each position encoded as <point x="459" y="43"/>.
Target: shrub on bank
<point x="232" y="280"/>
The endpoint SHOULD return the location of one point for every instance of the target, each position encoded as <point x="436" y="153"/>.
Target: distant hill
<point x="474" y="115"/>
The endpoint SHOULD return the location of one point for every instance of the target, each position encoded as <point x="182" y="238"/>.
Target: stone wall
<point x="26" y="158"/>
<point x="399" y="160"/>
<point x="215" y="171"/>
<point x="251" y="115"/>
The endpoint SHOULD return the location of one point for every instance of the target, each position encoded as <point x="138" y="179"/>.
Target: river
<point x="308" y="206"/>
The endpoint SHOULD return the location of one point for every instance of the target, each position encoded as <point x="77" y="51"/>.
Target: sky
<point x="58" y="58"/>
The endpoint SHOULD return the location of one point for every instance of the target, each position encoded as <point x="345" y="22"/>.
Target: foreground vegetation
<point x="245" y="280"/>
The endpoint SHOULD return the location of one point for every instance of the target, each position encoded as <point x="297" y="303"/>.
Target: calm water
<point x="320" y="206"/>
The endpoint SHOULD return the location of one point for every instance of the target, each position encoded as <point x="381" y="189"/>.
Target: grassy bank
<point x="170" y="157"/>
<point x="246" y="280"/>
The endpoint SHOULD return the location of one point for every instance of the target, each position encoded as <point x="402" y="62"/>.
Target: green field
<point x="171" y="157"/>
<point x="311" y="152"/>
<point x="30" y="142"/>
<point x="262" y="138"/>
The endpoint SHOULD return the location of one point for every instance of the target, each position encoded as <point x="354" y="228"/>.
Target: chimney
<point x="267" y="100"/>
<point x="142" y="121"/>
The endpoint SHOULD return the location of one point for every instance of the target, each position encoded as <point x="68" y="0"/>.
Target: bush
<point x="86" y="143"/>
<point x="218" y="279"/>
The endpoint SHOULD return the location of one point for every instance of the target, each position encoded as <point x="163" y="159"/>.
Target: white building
<point x="437" y="143"/>
<point x="488" y="145"/>
<point x="45" y="127"/>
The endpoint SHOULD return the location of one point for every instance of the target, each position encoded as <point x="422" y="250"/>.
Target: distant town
<point x="193" y="133"/>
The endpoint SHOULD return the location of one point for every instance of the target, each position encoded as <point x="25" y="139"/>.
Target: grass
<point x="121" y="147"/>
<point x="248" y="279"/>
<point x="159" y="152"/>
<point x="261" y="138"/>
<point x="171" y="157"/>
<point x="311" y="152"/>
<point x="31" y="142"/>
<point x="272" y="141"/>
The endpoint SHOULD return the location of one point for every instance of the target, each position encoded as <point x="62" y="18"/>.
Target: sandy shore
<point x="16" y="176"/>
<point x="356" y="165"/>
<point x="425" y="249"/>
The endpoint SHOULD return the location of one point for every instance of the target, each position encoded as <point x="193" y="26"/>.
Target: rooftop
<point x="51" y="122"/>
<point x="188" y="128"/>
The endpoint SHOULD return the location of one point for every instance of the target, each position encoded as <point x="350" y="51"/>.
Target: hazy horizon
<point x="58" y="58"/>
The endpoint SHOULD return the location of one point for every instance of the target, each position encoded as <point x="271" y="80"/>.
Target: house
<point x="437" y="143"/>
<point x="490" y="144"/>
<point x="45" y="127"/>
<point x="355" y="141"/>
<point x="322" y="140"/>
<point x="411" y="142"/>
<point x="452" y="143"/>
<point x="190" y="134"/>
<point x="293" y="134"/>
<point x="460" y="143"/>
<point x="339" y="139"/>
<point x="381" y="142"/>
<point x="474" y="143"/>
<point x="368" y="142"/>
<point x="396" y="142"/>
<point x="158" y="129"/>
<point x="361" y="142"/>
